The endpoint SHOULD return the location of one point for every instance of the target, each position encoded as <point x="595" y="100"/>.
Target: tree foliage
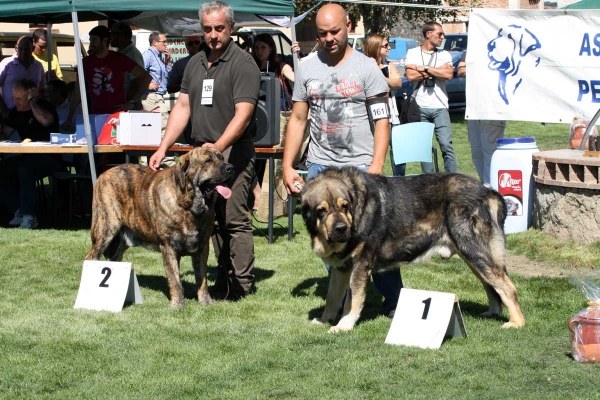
<point x="382" y="19"/>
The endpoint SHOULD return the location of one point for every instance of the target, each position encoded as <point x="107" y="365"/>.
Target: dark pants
<point x="18" y="175"/>
<point x="232" y="238"/>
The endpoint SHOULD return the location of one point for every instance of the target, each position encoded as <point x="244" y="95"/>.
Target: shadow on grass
<point x="190" y="289"/>
<point x="371" y="310"/>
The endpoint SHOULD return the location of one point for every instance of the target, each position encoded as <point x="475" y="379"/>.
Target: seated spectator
<point x="34" y="119"/>
<point x="57" y="93"/>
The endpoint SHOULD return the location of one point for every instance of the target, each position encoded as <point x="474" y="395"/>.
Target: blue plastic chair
<point x="412" y="143"/>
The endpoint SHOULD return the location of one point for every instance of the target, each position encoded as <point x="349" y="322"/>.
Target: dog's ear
<point x="181" y="171"/>
<point x="309" y="216"/>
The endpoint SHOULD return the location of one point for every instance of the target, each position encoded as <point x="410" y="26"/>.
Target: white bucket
<point x="511" y="175"/>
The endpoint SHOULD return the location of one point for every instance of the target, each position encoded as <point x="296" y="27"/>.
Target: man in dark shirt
<point x="34" y="119"/>
<point x="219" y="92"/>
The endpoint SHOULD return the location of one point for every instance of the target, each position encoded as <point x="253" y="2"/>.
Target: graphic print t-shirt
<point x="105" y="81"/>
<point x="339" y="125"/>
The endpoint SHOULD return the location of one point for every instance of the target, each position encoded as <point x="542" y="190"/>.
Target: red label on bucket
<point x="510" y="186"/>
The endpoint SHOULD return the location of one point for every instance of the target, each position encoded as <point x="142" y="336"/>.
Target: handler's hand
<point x="155" y="160"/>
<point x="290" y="177"/>
<point x="373" y="169"/>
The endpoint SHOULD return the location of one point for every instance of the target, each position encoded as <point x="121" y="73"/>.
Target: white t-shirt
<point x="436" y="96"/>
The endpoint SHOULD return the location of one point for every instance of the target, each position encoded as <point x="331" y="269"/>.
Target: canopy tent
<point x="60" y="11"/>
<point x="584" y="5"/>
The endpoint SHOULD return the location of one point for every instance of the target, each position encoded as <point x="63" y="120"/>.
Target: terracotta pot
<point x="585" y="338"/>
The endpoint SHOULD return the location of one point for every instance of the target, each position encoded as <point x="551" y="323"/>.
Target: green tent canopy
<point x="584" y="5"/>
<point x="59" y="11"/>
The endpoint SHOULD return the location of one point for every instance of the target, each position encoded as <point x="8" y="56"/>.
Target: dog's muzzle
<point x="339" y="232"/>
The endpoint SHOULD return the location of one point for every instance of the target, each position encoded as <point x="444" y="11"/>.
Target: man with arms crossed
<point x="338" y="87"/>
<point x="219" y="92"/>
<point x="429" y="69"/>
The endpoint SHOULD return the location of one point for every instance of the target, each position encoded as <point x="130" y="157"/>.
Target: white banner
<point x="537" y="65"/>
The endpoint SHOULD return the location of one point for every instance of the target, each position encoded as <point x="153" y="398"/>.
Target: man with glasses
<point x="429" y="68"/>
<point x="157" y="61"/>
<point x="219" y="92"/>
<point x="192" y="44"/>
<point x="120" y="38"/>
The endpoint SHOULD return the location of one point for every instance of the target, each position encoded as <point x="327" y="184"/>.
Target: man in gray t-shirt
<point x="339" y="126"/>
<point x="336" y="86"/>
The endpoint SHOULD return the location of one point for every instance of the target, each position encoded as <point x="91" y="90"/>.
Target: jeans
<point x="18" y="176"/>
<point x="443" y="132"/>
<point x="388" y="283"/>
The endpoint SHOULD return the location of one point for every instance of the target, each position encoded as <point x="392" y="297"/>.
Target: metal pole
<point x="84" y="105"/>
<point x="49" y="51"/>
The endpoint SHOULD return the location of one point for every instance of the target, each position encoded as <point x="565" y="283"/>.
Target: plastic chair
<point x="412" y="143"/>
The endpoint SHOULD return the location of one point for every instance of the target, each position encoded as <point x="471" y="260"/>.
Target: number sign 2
<point x="107" y="286"/>
<point x="423" y="318"/>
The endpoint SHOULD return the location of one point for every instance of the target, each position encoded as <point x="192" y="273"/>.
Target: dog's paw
<point x="178" y="303"/>
<point x="511" y="324"/>
<point x="206" y="300"/>
<point x="317" y="321"/>
<point x="338" y="329"/>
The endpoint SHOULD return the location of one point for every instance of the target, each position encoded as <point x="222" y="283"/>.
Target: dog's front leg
<point x="338" y="285"/>
<point x="199" y="261"/>
<point x="355" y="298"/>
<point x="171" y="263"/>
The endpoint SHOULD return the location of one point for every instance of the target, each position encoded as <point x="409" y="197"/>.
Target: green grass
<point x="264" y="346"/>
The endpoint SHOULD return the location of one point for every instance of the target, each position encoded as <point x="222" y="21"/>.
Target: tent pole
<point x="293" y="32"/>
<point x="84" y="105"/>
<point x="49" y="52"/>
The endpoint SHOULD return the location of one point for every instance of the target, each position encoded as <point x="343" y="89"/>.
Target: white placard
<point x="107" y="286"/>
<point x="423" y="318"/>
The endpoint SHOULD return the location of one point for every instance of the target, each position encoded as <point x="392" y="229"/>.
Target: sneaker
<point x="18" y="218"/>
<point x="28" y="222"/>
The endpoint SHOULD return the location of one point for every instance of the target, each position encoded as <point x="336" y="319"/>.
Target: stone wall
<point x="567" y="213"/>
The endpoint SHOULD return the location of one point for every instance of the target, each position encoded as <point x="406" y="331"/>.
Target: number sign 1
<point x="107" y="286"/>
<point x="423" y="318"/>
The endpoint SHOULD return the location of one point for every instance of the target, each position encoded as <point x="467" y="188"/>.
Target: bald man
<point x="339" y="88"/>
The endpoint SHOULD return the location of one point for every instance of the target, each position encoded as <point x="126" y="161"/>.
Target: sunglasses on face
<point x="191" y="42"/>
<point x="385" y="46"/>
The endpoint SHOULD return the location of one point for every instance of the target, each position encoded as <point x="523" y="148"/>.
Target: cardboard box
<point x="62" y="138"/>
<point x="97" y="121"/>
<point x="139" y="128"/>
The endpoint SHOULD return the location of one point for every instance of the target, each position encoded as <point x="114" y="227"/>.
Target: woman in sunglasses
<point x="378" y="47"/>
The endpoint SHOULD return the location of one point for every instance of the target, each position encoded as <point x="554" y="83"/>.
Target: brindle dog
<point x="362" y="223"/>
<point x="171" y="211"/>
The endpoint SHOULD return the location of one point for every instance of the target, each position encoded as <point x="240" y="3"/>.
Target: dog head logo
<point x="509" y="54"/>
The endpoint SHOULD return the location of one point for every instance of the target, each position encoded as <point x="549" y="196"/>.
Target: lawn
<point x="264" y="346"/>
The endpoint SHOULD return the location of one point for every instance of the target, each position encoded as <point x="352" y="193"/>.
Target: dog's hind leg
<point x="106" y="240"/>
<point x="199" y="261"/>
<point x="171" y="264"/>
<point x="481" y="245"/>
<point x="338" y="286"/>
<point x="355" y="299"/>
